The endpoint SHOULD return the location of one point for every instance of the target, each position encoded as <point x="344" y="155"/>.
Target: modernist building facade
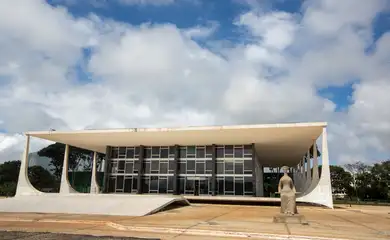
<point x="187" y="170"/>
<point x="223" y="161"/>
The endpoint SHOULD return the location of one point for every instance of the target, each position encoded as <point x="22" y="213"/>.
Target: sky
<point x="71" y="64"/>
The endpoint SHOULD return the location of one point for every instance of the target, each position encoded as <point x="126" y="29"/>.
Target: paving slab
<point x="186" y="222"/>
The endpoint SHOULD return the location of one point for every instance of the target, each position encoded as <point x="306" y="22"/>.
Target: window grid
<point x="234" y="169"/>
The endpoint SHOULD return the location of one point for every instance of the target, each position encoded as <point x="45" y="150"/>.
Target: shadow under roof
<point x="276" y="144"/>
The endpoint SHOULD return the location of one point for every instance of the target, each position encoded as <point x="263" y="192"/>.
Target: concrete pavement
<point x="215" y="222"/>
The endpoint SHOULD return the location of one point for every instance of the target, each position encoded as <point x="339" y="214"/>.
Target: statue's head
<point x="285" y="169"/>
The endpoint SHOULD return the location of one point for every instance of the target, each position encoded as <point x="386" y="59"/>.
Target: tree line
<point x="358" y="181"/>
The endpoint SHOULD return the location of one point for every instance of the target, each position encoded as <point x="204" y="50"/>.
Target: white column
<point x="315" y="164"/>
<point x="302" y="175"/>
<point x="322" y="191"/>
<point x="94" y="185"/>
<point x="308" y="171"/>
<point x="24" y="187"/>
<point x="65" y="187"/>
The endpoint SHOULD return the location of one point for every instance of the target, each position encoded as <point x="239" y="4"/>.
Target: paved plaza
<point x="202" y="221"/>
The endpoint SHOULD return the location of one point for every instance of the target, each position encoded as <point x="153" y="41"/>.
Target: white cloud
<point x="158" y="75"/>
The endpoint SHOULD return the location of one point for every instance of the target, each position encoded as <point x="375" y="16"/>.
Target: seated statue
<point x="287" y="192"/>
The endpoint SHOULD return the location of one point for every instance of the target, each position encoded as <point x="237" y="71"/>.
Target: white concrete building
<point x="154" y="167"/>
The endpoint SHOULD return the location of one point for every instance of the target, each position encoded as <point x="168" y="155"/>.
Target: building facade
<point x="187" y="170"/>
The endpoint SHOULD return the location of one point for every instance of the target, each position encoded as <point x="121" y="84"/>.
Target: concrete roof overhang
<point x="276" y="144"/>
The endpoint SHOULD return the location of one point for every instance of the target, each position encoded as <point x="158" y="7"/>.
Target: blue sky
<point x="189" y="13"/>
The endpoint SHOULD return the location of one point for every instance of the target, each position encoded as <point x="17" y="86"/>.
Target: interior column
<point x="213" y="170"/>
<point x="107" y="167"/>
<point x="176" y="182"/>
<point x="140" y="169"/>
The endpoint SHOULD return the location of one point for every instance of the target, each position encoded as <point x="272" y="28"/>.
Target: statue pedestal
<point x="291" y="219"/>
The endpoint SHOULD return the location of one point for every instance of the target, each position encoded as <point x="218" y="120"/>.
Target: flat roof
<point x="276" y="144"/>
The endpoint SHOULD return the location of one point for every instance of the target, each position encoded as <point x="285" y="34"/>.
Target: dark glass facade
<point x="188" y="170"/>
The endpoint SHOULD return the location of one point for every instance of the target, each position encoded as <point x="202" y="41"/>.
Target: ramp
<point x="100" y="204"/>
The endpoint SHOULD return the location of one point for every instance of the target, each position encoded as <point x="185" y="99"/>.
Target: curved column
<point x="308" y="171"/>
<point x="94" y="185"/>
<point x="322" y="193"/>
<point x="24" y="186"/>
<point x="315" y="178"/>
<point x="65" y="187"/>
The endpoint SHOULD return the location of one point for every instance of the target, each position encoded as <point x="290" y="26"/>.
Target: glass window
<point x="228" y="150"/>
<point x="238" y="186"/>
<point x="129" y="167"/>
<point x="146" y="184"/>
<point x="119" y="182"/>
<point x="190" y="165"/>
<point x="209" y="151"/>
<point x="183" y="153"/>
<point x="111" y="185"/>
<point x="135" y="182"/>
<point x="163" y="185"/>
<point x="122" y="152"/>
<point x="164" y="153"/>
<point x="136" y="166"/>
<point x="153" y="183"/>
<point x="190" y="150"/>
<point x="204" y="186"/>
<point x="248" y="150"/>
<point x="200" y="168"/>
<point x="136" y="152"/>
<point x="209" y="166"/>
<point x="248" y="185"/>
<point x="248" y="167"/>
<point x="239" y="167"/>
<point x="121" y="165"/>
<point x="182" y="167"/>
<point x="155" y="164"/>
<point x="156" y="151"/>
<point x="170" y="183"/>
<point x="181" y="185"/>
<point x="229" y="167"/>
<point x="148" y="153"/>
<point x="172" y="150"/>
<point x="114" y="167"/>
<point x="229" y="184"/>
<point x="221" y="186"/>
<point x="238" y="152"/>
<point x="171" y="168"/>
<point x="190" y="186"/>
<point x="220" y="152"/>
<point x="220" y="167"/>
<point x="128" y="185"/>
<point x="163" y="167"/>
<point x="200" y="152"/>
<point x="130" y="152"/>
<point x="114" y="152"/>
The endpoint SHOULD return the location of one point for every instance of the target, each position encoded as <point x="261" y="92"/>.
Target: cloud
<point x="154" y="75"/>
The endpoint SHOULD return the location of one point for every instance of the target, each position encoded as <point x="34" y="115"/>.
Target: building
<point x="224" y="161"/>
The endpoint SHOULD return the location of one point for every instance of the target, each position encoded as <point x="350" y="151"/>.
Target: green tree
<point x="341" y="181"/>
<point x="56" y="153"/>
<point x="40" y="178"/>
<point x="8" y="189"/>
<point x="78" y="158"/>
<point x="9" y="172"/>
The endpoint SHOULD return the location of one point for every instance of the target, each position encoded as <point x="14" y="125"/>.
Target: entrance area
<point x="200" y="185"/>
